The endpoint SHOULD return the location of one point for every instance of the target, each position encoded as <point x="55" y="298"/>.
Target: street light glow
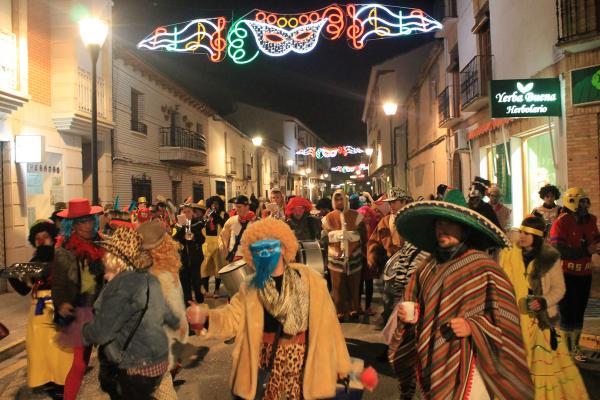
<point x="257" y="140"/>
<point x="93" y="31"/>
<point x="352" y="176"/>
<point x="326" y="175"/>
<point x="290" y="163"/>
<point x="390" y="108"/>
<point x="308" y="170"/>
<point x="302" y="172"/>
<point x="369" y="151"/>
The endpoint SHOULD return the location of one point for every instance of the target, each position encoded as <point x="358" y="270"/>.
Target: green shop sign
<point x="586" y="85"/>
<point x="522" y="98"/>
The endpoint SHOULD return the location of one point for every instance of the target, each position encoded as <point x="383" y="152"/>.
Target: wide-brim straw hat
<point x="416" y="223"/>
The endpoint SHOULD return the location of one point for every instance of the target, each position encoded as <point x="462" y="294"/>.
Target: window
<point x="199" y="128"/>
<point x="220" y="186"/>
<point x="136" y="111"/>
<point x="141" y="186"/>
<point x="539" y="165"/>
<point x="176" y="192"/>
<point x="198" y="191"/>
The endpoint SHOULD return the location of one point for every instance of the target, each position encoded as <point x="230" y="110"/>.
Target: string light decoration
<point x="199" y="36"/>
<point x="275" y="34"/>
<point x="374" y="21"/>
<point x="350" y="169"/>
<point x="329" y="152"/>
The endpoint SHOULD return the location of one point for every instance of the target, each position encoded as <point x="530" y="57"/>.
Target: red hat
<point x="297" y="201"/>
<point x="79" y="208"/>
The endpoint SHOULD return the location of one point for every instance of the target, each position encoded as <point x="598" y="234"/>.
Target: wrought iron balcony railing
<point x="577" y="19"/>
<point x="180" y="137"/>
<point x="448" y="105"/>
<point x="474" y="80"/>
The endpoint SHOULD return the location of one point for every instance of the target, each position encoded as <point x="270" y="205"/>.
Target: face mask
<point x="265" y="256"/>
<point x="275" y="41"/>
<point x="581" y="211"/>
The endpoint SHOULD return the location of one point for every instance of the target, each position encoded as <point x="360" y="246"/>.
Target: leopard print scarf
<point x="290" y="307"/>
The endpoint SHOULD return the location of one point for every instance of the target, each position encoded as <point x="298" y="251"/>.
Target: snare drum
<point x="309" y="253"/>
<point x="234" y="274"/>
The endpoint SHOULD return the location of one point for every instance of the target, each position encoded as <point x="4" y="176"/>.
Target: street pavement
<point x="207" y="376"/>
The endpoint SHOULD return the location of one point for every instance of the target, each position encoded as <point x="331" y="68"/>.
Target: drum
<point x="309" y="253"/>
<point x="234" y="274"/>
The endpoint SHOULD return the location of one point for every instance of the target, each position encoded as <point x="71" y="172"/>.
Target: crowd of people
<point x="467" y="313"/>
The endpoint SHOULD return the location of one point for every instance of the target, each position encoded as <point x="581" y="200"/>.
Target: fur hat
<point x="126" y="244"/>
<point x="42" y="225"/>
<point x="152" y="234"/>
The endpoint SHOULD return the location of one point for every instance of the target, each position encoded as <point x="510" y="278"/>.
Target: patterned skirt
<point x="554" y="374"/>
<point x="285" y="381"/>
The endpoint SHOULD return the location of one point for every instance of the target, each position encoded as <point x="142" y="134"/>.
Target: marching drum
<point x="309" y="253"/>
<point x="234" y="274"/>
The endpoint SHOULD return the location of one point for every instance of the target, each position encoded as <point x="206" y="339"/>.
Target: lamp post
<point x="93" y="33"/>
<point x="257" y="142"/>
<point x="389" y="109"/>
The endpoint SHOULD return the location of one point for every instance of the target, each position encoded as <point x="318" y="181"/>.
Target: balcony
<point x="181" y="146"/>
<point x="75" y="115"/>
<point x="474" y="83"/>
<point x="139" y="127"/>
<point x="578" y="24"/>
<point x="448" y="107"/>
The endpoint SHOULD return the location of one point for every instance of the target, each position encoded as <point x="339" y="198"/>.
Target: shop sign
<point x="8" y="60"/>
<point x="522" y="98"/>
<point x="585" y="84"/>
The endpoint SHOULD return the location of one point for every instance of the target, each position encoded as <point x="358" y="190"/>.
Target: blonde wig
<point x="115" y="264"/>
<point x="270" y="228"/>
<point x="165" y="257"/>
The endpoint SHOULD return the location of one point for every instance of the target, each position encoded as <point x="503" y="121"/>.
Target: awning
<point x="487" y="127"/>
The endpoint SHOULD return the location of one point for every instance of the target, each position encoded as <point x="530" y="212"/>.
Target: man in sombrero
<point x="77" y="277"/>
<point x="463" y="340"/>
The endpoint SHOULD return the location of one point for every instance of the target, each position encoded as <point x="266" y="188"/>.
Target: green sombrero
<point x="415" y="222"/>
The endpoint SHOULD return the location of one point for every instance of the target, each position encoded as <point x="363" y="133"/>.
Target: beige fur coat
<point x="327" y="354"/>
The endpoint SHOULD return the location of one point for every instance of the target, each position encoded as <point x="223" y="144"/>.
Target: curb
<point x="12" y="349"/>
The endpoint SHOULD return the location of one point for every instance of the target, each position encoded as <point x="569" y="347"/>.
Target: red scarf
<point x="84" y="248"/>
<point x="250" y="216"/>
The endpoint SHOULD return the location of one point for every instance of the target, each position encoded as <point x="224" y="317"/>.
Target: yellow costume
<point x="553" y="372"/>
<point x="46" y="361"/>
<point x="213" y="258"/>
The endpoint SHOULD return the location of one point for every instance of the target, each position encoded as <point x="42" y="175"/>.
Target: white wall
<point x="523" y="36"/>
<point x="467" y="43"/>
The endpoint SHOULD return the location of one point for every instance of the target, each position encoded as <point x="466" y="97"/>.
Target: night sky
<point x="325" y="88"/>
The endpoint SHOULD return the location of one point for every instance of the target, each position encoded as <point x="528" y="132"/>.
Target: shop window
<point x="540" y="167"/>
<point x="141" y="186"/>
<point x="498" y="169"/>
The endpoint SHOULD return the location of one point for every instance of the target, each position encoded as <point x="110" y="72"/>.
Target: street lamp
<point x="257" y="142"/>
<point x="93" y="33"/>
<point x="369" y="151"/>
<point x="389" y="109"/>
<point x="290" y="163"/>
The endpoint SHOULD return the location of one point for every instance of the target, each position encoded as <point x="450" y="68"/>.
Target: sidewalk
<point x="15" y="309"/>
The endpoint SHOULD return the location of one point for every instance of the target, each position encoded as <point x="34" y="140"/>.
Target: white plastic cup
<point x="409" y="308"/>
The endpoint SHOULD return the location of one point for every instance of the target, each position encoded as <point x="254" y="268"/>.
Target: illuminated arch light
<point x="349" y="169"/>
<point x="329" y="152"/>
<point x="374" y="21"/>
<point x="276" y="42"/>
<point x="201" y="36"/>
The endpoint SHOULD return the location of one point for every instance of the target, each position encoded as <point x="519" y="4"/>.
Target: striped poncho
<point x="473" y="287"/>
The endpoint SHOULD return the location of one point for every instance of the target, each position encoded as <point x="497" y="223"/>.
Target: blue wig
<point x="66" y="225"/>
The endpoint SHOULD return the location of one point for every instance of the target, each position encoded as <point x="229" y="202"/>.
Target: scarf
<point x="250" y="216"/>
<point x="290" y="307"/>
<point x="84" y="249"/>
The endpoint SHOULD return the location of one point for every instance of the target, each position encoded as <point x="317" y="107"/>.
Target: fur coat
<point x="327" y="354"/>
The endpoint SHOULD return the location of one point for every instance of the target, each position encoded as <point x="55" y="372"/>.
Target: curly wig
<point x="115" y="264"/>
<point x="165" y="257"/>
<point x="548" y="188"/>
<point x="270" y="228"/>
<point x="42" y="225"/>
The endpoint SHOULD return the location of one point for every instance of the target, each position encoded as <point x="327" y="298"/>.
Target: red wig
<point x="297" y="201"/>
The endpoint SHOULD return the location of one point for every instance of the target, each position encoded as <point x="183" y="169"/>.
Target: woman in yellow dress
<point x="47" y="362"/>
<point x="535" y="271"/>
<point x="213" y="259"/>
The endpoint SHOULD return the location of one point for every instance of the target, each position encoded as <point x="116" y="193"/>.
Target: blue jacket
<point x="117" y="311"/>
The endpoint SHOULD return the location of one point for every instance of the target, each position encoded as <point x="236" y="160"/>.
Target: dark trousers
<point x="121" y="386"/>
<point x="205" y="283"/>
<point x="189" y="275"/>
<point x="366" y="287"/>
<point x="573" y="304"/>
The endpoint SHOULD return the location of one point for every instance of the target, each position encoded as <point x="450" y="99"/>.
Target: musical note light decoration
<point x="201" y="36"/>
<point x="275" y="34"/>
<point x="329" y="152"/>
<point x="348" y="169"/>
